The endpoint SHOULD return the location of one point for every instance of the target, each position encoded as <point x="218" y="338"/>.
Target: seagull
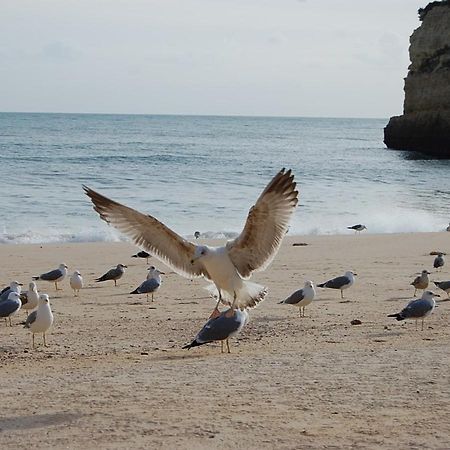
<point x="418" y="308"/>
<point x="302" y="297"/>
<point x="76" y="283"/>
<point x="54" y="276"/>
<point x="113" y="274"/>
<point x="444" y="285"/>
<point x="439" y="261"/>
<point x="142" y="254"/>
<point x="41" y="320"/>
<point x="151" y="284"/>
<point x="358" y="228"/>
<point x="197" y="234"/>
<point x="421" y="282"/>
<point x="30" y="298"/>
<point x="448" y="228"/>
<point x="343" y="282"/>
<point x="227" y="267"/>
<point x="220" y="328"/>
<point x="11" y="306"/>
<point x="14" y="286"/>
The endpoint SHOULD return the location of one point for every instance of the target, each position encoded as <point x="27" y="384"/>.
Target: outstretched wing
<point x="266" y="225"/>
<point x="150" y="233"/>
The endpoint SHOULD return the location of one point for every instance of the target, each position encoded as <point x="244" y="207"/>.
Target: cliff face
<point x="425" y="123"/>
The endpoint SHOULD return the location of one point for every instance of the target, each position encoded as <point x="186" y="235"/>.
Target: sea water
<point x="204" y="173"/>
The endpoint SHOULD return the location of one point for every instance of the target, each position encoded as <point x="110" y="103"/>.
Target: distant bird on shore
<point x="439" y="261"/>
<point x="10" y="307"/>
<point x="197" y="234"/>
<point x="341" y="283"/>
<point x="30" y="298"/>
<point x="444" y="285"/>
<point x="113" y="274"/>
<point x="14" y="286"/>
<point x="418" y="308"/>
<point x="142" y="254"/>
<point x="221" y="328"/>
<point x="54" y="276"/>
<point x="151" y="284"/>
<point x="358" y="228"/>
<point x="421" y="282"/>
<point x="41" y="320"/>
<point x="301" y="298"/>
<point x="76" y="283"/>
<point x="448" y="228"/>
<point x="228" y="267"/>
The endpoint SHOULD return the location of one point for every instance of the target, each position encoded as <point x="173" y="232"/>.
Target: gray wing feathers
<point x="51" y="276"/>
<point x="337" y="283"/>
<point x="112" y="274"/>
<point x="444" y="285"/>
<point x="148" y="286"/>
<point x="295" y="298"/>
<point x="30" y="319"/>
<point x="416" y="308"/>
<point x="218" y="329"/>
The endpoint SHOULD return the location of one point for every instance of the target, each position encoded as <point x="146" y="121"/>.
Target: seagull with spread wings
<point x="228" y="267"/>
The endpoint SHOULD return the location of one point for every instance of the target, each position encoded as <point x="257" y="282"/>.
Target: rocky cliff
<point x="425" y="123"/>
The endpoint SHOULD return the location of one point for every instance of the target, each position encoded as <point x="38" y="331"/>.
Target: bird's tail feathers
<point x="194" y="343"/>
<point x="135" y="291"/>
<point x="398" y="316"/>
<point x="321" y="285"/>
<point x="247" y="297"/>
<point x="36" y="278"/>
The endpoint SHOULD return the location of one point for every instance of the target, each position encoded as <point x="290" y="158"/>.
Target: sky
<point x="316" y="58"/>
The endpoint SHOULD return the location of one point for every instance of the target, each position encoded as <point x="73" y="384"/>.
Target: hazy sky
<point x="334" y="58"/>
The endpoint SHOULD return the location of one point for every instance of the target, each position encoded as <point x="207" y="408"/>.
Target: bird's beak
<point x="355" y="274"/>
<point x="126" y="267"/>
<point x="20" y="284"/>
<point x="162" y="273"/>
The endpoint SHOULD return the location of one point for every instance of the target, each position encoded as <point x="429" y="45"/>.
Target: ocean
<point x="205" y="172"/>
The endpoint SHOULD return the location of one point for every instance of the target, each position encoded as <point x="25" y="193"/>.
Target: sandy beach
<point x="114" y="374"/>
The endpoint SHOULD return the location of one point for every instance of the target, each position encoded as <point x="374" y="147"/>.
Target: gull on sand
<point x="227" y="267"/>
<point x="151" y="284"/>
<point x="11" y="306"/>
<point x="113" y="274"/>
<point x="76" y="282"/>
<point x="142" y="254"/>
<point x="439" y="261"/>
<point x="30" y="298"/>
<point x="358" y="228"/>
<point x="444" y="285"/>
<point x="421" y="282"/>
<point x="14" y="286"/>
<point x="301" y="298"/>
<point x="418" y="308"/>
<point x="41" y="320"/>
<point x="341" y="283"/>
<point x="54" y="276"/>
<point x="220" y="328"/>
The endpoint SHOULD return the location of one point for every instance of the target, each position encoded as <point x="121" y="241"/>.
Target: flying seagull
<point x="341" y="283"/>
<point x="421" y="282"/>
<point x="113" y="274"/>
<point x="418" y="308"/>
<point x="151" y="284"/>
<point x="54" y="276"/>
<point x="358" y="228"/>
<point x="227" y="267"/>
<point x="301" y="298"/>
<point x="439" y="261"/>
<point x="220" y="328"/>
<point x="444" y="285"/>
<point x="142" y="254"/>
<point x="41" y="320"/>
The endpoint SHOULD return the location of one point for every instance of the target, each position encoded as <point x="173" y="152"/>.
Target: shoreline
<point x="115" y="376"/>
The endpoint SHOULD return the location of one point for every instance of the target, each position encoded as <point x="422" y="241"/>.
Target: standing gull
<point x="341" y="283"/>
<point x="11" y="306"/>
<point x="113" y="274"/>
<point x="54" y="276"/>
<point x="142" y="254"/>
<point x="41" y="320"/>
<point x="151" y="284"/>
<point x="358" y="228"/>
<point x="14" y="286"/>
<point x="220" y="328"/>
<point x="30" y="298"/>
<point x="444" y="285"/>
<point x="227" y="267"/>
<point x="197" y="234"/>
<point x="76" y="283"/>
<point x="439" y="261"/>
<point x="301" y="298"/>
<point x="421" y="282"/>
<point x="418" y="308"/>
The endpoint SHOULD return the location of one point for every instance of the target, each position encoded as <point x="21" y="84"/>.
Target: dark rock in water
<point x="425" y="123"/>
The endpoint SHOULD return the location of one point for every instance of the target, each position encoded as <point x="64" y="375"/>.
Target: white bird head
<point x="14" y="296"/>
<point x="425" y="272"/>
<point x="350" y="274"/>
<point x="77" y="272"/>
<point x="152" y="270"/>
<point x="123" y="266"/>
<point x="43" y="298"/>
<point x="309" y="284"/>
<point x="15" y="285"/>
<point x="62" y="266"/>
<point x="200" y="252"/>
<point x="428" y="295"/>
<point x="32" y="286"/>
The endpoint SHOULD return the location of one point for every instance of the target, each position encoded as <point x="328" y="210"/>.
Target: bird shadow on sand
<point x="36" y="421"/>
<point x="394" y="299"/>
<point x="188" y="355"/>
